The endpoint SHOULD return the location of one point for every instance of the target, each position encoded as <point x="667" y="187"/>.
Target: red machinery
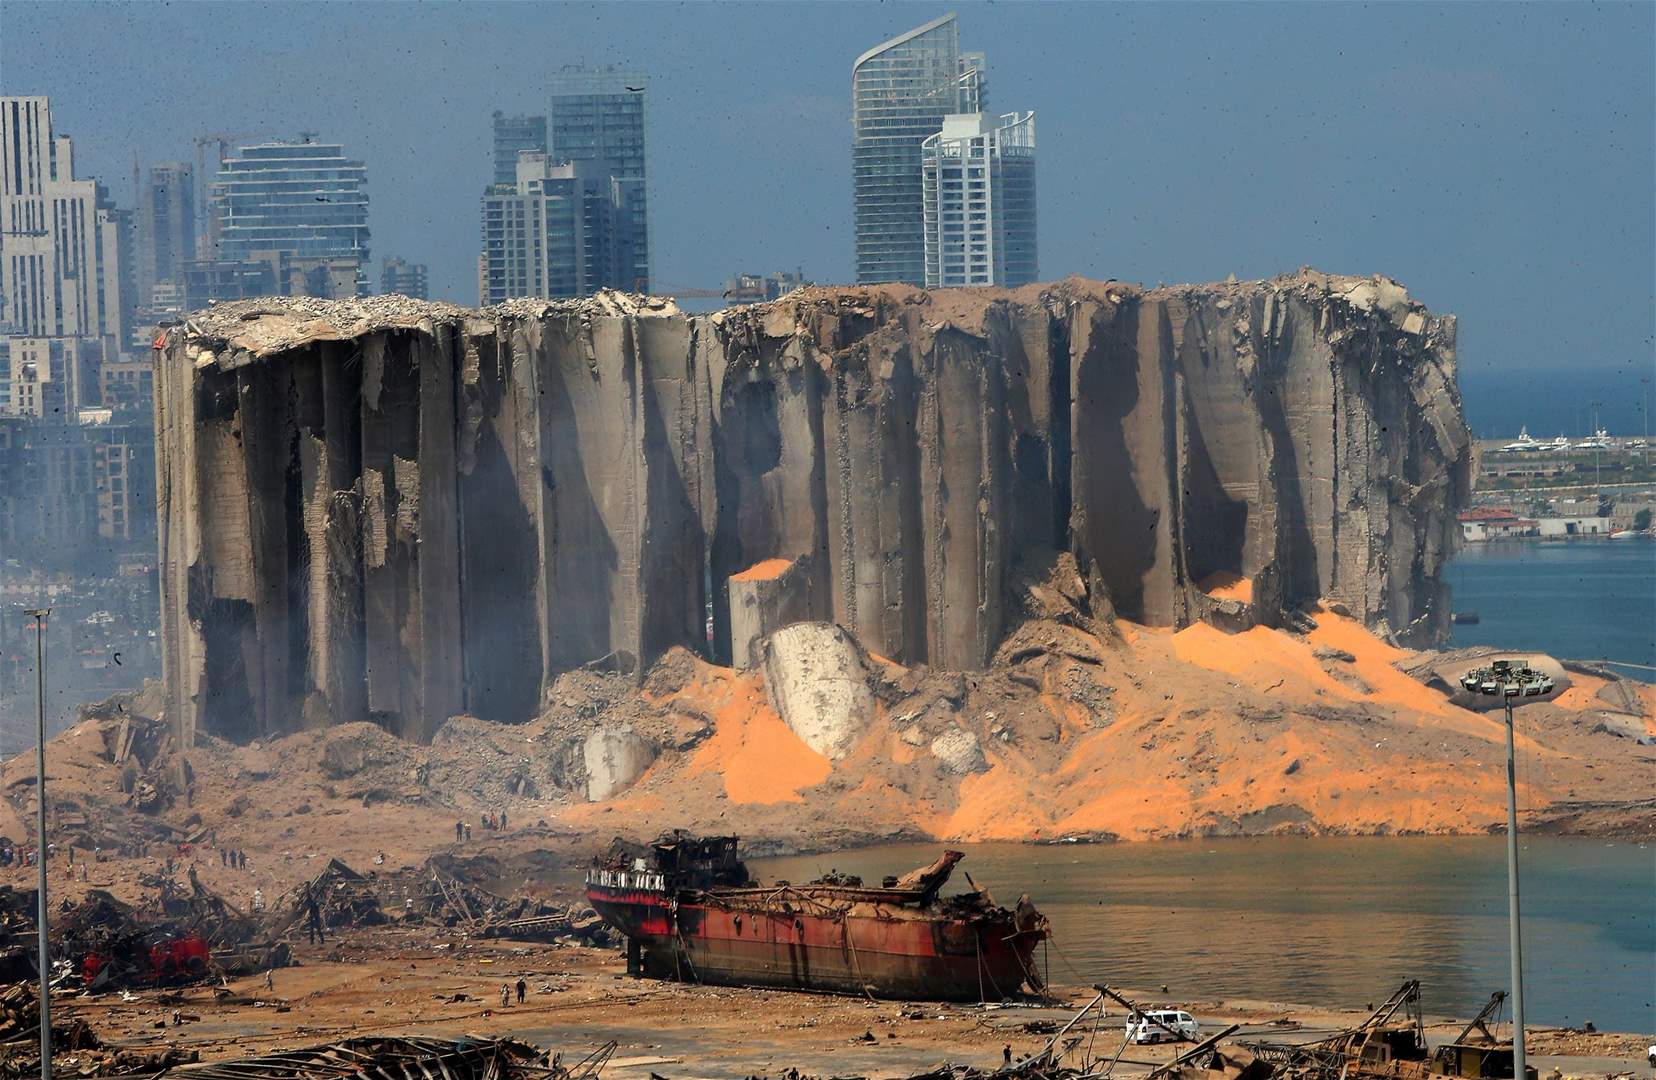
<point x="168" y="959"/>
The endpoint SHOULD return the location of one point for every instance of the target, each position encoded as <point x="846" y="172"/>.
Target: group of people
<point x="28" y="855"/>
<point x="506" y="992"/>
<point x="233" y="857"/>
<point x="491" y="823"/>
<point x="21" y="856"/>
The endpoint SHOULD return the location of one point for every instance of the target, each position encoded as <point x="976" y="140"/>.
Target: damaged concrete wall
<point x="397" y="511"/>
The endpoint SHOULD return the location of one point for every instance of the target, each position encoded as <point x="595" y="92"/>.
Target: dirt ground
<point x="413" y="981"/>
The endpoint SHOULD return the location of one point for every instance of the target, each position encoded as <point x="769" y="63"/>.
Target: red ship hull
<point x="821" y="938"/>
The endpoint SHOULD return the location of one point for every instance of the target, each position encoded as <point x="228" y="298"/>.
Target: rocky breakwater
<point x="399" y="511"/>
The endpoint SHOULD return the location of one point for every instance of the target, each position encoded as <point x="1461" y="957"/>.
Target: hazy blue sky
<point x="1496" y="158"/>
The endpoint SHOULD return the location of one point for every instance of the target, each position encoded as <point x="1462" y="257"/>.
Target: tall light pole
<point x="1511" y="681"/>
<point x="39" y="615"/>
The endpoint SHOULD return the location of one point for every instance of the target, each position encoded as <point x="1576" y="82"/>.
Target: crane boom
<point x="1481" y="1022"/>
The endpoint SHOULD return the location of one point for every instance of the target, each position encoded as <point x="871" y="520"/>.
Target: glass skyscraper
<point x="901" y="91"/>
<point x="291" y="203"/>
<point x="599" y="116"/>
<point x="555" y="233"/>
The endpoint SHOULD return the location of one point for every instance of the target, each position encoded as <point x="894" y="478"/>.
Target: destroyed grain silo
<point x="398" y="511"/>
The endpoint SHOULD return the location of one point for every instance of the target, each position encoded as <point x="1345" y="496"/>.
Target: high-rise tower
<point x="166" y="228"/>
<point x="555" y="233"/>
<point x="900" y="92"/>
<point x="599" y="116"/>
<point x="978" y="177"/>
<point x="512" y="135"/>
<point x="61" y="238"/>
<point x="301" y="207"/>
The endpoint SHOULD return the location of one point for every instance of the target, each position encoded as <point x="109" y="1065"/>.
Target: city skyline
<point x="901" y="90"/>
<point x="566" y="212"/>
<point x="1428" y="171"/>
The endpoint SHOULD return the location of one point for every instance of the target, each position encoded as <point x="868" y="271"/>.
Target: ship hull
<point x="883" y="950"/>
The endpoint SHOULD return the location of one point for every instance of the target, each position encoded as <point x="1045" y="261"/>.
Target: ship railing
<point x="631" y="880"/>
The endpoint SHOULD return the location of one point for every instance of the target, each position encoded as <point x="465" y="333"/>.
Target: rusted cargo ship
<point x="691" y="912"/>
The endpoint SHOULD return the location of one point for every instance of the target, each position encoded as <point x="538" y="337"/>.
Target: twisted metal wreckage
<point x="383" y="1058"/>
<point x="1382" y="1047"/>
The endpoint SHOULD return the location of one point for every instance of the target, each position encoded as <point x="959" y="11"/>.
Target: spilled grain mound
<point x="1120" y="732"/>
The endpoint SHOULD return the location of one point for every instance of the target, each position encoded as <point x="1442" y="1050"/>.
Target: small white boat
<point x="1599" y="441"/>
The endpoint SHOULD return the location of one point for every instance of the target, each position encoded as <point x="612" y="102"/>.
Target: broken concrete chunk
<point x="959" y="752"/>
<point x="817" y="684"/>
<point x="614" y="758"/>
<point x="764" y="598"/>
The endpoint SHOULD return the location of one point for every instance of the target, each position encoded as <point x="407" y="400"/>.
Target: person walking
<point x="459" y="832"/>
<point x="505" y="996"/>
<point x="522" y="988"/>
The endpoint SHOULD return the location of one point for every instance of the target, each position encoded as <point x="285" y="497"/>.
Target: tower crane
<point x="684" y="292"/>
<point x="203" y="185"/>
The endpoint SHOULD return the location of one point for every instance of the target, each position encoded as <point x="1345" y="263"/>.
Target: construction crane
<point x="742" y="289"/>
<point x="1379" y="1043"/>
<point x="683" y="292"/>
<point x="203" y="186"/>
<point x="1491" y="1011"/>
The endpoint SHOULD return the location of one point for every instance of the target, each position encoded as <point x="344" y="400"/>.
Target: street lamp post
<point x="39" y="615"/>
<point x="1511" y="681"/>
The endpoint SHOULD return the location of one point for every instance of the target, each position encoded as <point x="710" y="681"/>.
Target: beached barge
<point x="690" y="912"/>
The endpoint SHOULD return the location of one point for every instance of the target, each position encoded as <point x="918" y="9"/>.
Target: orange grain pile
<point x="769" y="570"/>
<point x="1223" y="585"/>
<point x="758" y="756"/>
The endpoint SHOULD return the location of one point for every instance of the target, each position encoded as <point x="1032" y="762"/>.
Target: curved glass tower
<point x="900" y="92"/>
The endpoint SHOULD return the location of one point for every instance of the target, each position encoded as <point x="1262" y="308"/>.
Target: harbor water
<point x="1327" y="920"/>
<point x="1588" y="599"/>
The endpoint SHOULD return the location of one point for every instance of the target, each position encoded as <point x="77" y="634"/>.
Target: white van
<point x="1140" y="1029"/>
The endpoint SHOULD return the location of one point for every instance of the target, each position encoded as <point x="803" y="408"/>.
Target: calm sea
<point x="1576" y="599"/>
<point x="1328" y="920"/>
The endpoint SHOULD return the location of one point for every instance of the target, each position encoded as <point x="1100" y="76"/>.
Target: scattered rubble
<point x="349" y="900"/>
<point x="378" y="1055"/>
<point x="20" y="1034"/>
